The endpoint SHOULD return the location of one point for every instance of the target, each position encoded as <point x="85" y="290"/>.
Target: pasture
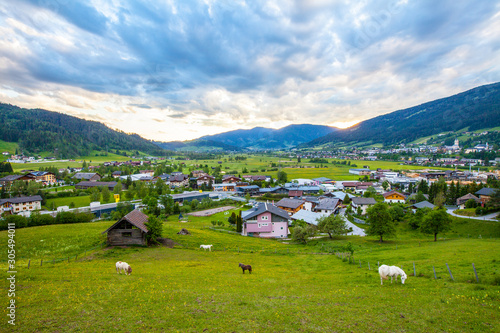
<point x="290" y="289"/>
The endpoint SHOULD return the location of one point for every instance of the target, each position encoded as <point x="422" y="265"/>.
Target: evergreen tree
<point x="239" y="223"/>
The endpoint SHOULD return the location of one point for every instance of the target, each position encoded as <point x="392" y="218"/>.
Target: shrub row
<point x="37" y="219"/>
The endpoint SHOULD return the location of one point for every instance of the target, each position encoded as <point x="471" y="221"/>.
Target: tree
<point x="118" y="188"/>
<point x="385" y="185"/>
<point x="33" y="188"/>
<point x="420" y="197"/>
<point x="370" y="192"/>
<point x="380" y="221"/>
<point x="440" y="199"/>
<point x="239" y="223"/>
<point x="232" y="219"/>
<point x="437" y="221"/>
<point x="155" y="229"/>
<point x="333" y="225"/>
<point x="95" y="195"/>
<point x="471" y="203"/>
<point x="282" y="177"/>
<point x="106" y="194"/>
<point x="397" y="213"/>
<point x="301" y="234"/>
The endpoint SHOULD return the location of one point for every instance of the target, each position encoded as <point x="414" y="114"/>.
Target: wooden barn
<point x="130" y="229"/>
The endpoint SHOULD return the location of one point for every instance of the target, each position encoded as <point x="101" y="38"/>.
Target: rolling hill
<point x="36" y="130"/>
<point x="474" y="109"/>
<point x="268" y="138"/>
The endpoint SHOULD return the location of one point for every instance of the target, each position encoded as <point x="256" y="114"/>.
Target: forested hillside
<point x="37" y="130"/>
<point x="474" y="109"/>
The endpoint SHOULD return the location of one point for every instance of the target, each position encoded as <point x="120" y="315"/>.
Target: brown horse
<point x="247" y="267"/>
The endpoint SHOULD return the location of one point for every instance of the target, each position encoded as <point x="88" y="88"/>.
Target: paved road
<point x="489" y="217"/>
<point x="356" y="231"/>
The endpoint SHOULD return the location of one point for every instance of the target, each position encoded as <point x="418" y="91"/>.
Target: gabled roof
<point x="486" y="191"/>
<point x="136" y="218"/>
<point x="387" y="194"/>
<point x="423" y="204"/>
<point x="363" y="201"/>
<point x="21" y="199"/>
<point x="290" y="203"/>
<point x="265" y="207"/>
<point x="327" y="204"/>
<point x="95" y="184"/>
<point x="466" y="197"/>
<point x="295" y="193"/>
<point x="85" y="175"/>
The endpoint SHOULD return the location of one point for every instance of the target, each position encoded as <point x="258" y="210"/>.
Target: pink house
<point x="265" y="220"/>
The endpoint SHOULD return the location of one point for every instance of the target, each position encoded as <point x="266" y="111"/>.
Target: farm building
<point x="130" y="229"/>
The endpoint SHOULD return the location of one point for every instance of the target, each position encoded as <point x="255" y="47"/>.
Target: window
<point x="281" y="228"/>
<point x="265" y="218"/>
<point x="126" y="234"/>
<point x="265" y="224"/>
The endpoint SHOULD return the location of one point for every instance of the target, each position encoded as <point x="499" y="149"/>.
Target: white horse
<point x="204" y="247"/>
<point x="123" y="266"/>
<point x="392" y="271"/>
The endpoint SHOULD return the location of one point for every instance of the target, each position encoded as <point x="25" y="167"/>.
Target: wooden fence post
<point x="450" y="272"/>
<point x="477" y="279"/>
<point x="360" y="264"/>
<point x="435" y="277"/>
<point x="414" y="271"/>
<point x="369" y="267"/>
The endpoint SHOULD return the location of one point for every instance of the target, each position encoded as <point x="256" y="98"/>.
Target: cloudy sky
<point x="176" y="70"/>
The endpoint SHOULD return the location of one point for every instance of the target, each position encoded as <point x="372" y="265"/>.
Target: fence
<point x="346" y="256"/>
<point x="21" y="262"/>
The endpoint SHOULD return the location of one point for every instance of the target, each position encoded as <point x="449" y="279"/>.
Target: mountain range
<point x="477" y="108"/>
<point x="37" y="130"/>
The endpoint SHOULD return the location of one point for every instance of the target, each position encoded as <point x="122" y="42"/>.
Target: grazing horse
<point x="247" y="267"/>
<point x="392" y="271"/>
<point x="123" y="266"/>
<point x="204" y="247"/>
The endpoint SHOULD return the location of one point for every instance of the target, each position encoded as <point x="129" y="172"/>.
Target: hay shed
<point x="129" y="230"/>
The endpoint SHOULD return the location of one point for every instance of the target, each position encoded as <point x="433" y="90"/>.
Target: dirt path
<point x="212" y="211"/>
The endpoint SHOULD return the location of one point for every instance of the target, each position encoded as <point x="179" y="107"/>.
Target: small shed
<point x="130" y="229"/>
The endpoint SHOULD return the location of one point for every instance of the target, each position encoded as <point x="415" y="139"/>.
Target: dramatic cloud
<point x="176" y="70"/>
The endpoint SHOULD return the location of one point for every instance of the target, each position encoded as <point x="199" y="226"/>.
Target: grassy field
<point x="290" y="290"/>
<point x="8" y="146"/>
<point x="81" y="201"/>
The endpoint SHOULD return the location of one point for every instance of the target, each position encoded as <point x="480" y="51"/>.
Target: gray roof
<point x="486" y="191"/>
<point x="95" y="184"/>
<point x="363" y="201"/>
<point x="265" y="207"/>
<point x="423" y="204"/>
<point x="308" y="217"/>
<point x="290" y="203"/>
<point x="327" y="204"/>
<point x="85" y="175"/>
<point x="322" y="179"/>
<point x="21" y="199"/>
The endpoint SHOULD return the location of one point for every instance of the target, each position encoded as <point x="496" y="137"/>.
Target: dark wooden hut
<point x="130" y="229"/>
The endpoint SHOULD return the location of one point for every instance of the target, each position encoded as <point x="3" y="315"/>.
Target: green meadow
<point x="292" y="288"/>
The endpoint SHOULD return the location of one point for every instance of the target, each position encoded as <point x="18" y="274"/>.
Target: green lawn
<point x="82" y="201"/>
<point x="290" y="290"/>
